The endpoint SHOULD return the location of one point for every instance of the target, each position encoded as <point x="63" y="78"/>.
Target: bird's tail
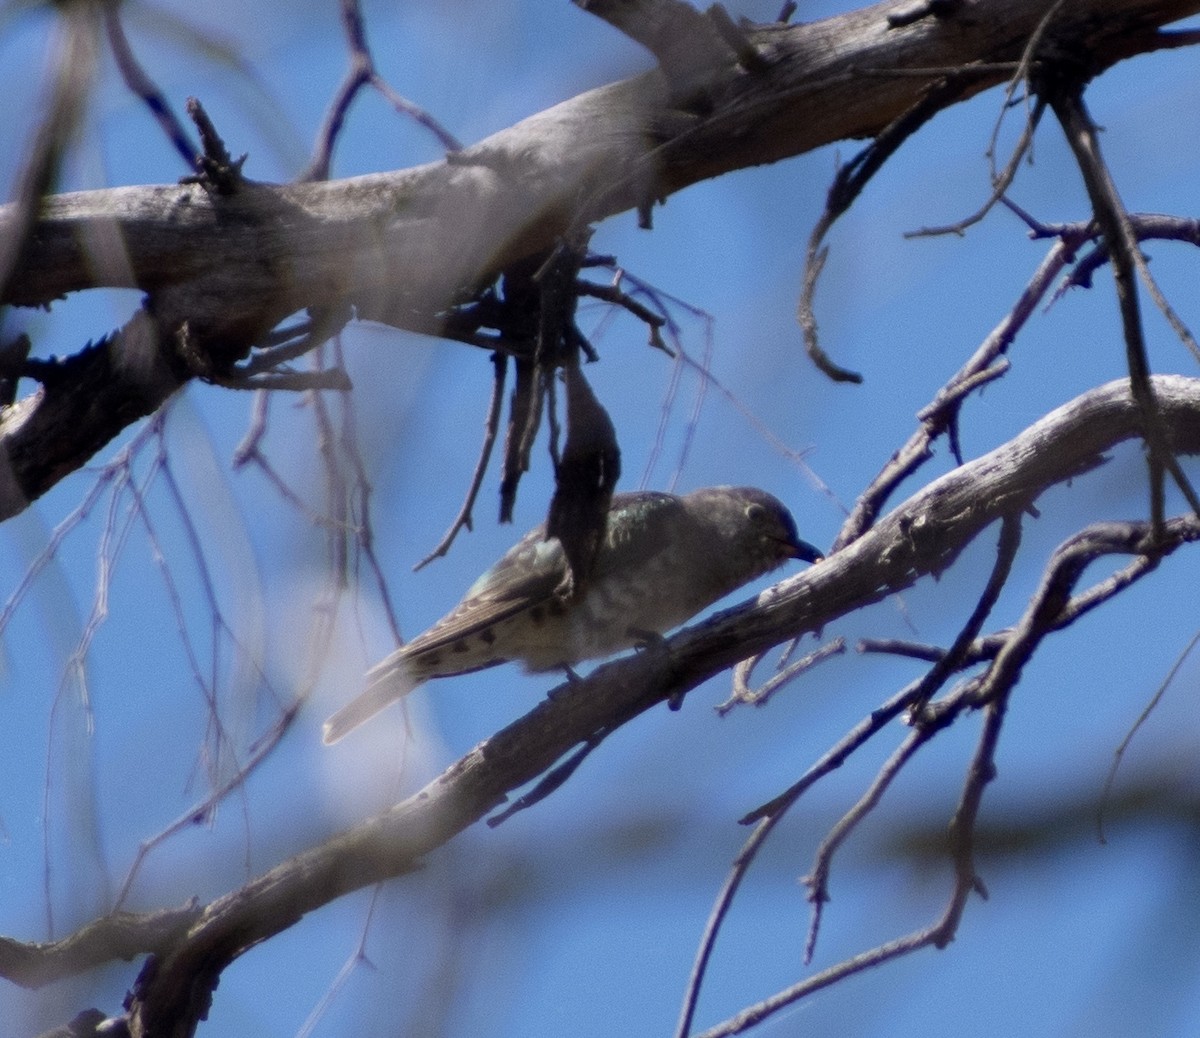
<point x="385" y="684"/>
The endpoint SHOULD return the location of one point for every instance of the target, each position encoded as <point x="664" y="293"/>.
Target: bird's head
<point x="774" y="525"/>
<point x="755" y="525"/>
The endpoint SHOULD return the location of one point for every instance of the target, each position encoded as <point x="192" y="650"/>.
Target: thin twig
<point x="491" y="425"/>
<point x="1119" y="752"/>
<point x="363" y="73"/>
<point x="1003" y="180"/>
<point x="293" y="342"/>
<point x="765" y="818"/>
<point x="817" y="880"/>
<point x="846" y="187"/>
<point x="1006" y="552"/>
<point x="361" y="493"/>
<point x="552" y="780"/>
<point x="327" y="379"/>
<point x="1125" y="256"/>
<point x="1000" y="182"/>
<point x="1066" y="567"/>
<point x="980" y="773"/>
<point x="744" y="695"/>
<point x="1179" y="530"/>
<point x="937" y="416"/>
<point x="140" y="83"/>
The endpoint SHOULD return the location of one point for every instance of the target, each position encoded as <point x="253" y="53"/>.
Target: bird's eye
<point x="756" y="514"/>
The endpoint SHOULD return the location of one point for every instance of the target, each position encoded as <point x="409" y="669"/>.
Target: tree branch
<point x="220" y="271"/>
<point x="921" y="537"/>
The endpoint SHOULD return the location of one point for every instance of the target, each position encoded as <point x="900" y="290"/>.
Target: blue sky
<point x="581" y="916"/>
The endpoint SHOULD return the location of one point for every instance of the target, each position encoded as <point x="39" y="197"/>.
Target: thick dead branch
<point x="121" y="935"/>
<point x="403" y="246"/>
<point x="84" y="401"/>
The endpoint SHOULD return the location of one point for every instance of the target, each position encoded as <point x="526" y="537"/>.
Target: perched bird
<point x="662" y="560"/>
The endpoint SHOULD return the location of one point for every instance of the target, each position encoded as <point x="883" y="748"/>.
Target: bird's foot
<point x="652" y="641"/>
<point x="561" y="690"/>
<point x="643" y="639"/>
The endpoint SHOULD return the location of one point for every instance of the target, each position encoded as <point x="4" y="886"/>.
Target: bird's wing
<point x="640" y="525"/>
<point x="525" y="576"/>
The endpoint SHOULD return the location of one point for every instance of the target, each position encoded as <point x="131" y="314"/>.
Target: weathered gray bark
<point x="220" y="271"/>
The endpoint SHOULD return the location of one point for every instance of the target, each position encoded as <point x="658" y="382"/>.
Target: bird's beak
<point x="804" y="551"/>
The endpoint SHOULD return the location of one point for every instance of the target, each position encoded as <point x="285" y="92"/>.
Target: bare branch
<point x="491" y="425"/>
<point x="363" y="73"/>
<point x="939" y="415"/>
<point x="404" y="247"/>
<point x="121" y="935"/>
<point x="1067" y="101"/>
<point x="744" y="695"/>
<point x="846" y="187"/>
<point x="817" y="880"/>
<point x="139" y="82"/>
<point x="1006" y="552"/>
<point x="767" y="817"/>
<point x="992" y="690"/>
<point x="922" y="536"/>
<point x="1119" y="752"/>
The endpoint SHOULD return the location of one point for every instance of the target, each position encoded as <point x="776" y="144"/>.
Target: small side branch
<point x="691" y="48"/>
<point x="216" y="169"/>
<point x="1051" y="608"/>
<point x="491" y="425"/>
<point x="1002" y="180"/>
<point x="846" y="187"/>
<point x="140" y="83"/>
<point x="765" y="819"/>
<point x="1067" y="102"/>
<point x="1006" y="552"/>
<point x="744" y="695"/>
<point x="363" y="73"/>
<point x="940" y="415"/>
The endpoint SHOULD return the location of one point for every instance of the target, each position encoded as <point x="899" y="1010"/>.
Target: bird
<point x="663" y="558"/>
